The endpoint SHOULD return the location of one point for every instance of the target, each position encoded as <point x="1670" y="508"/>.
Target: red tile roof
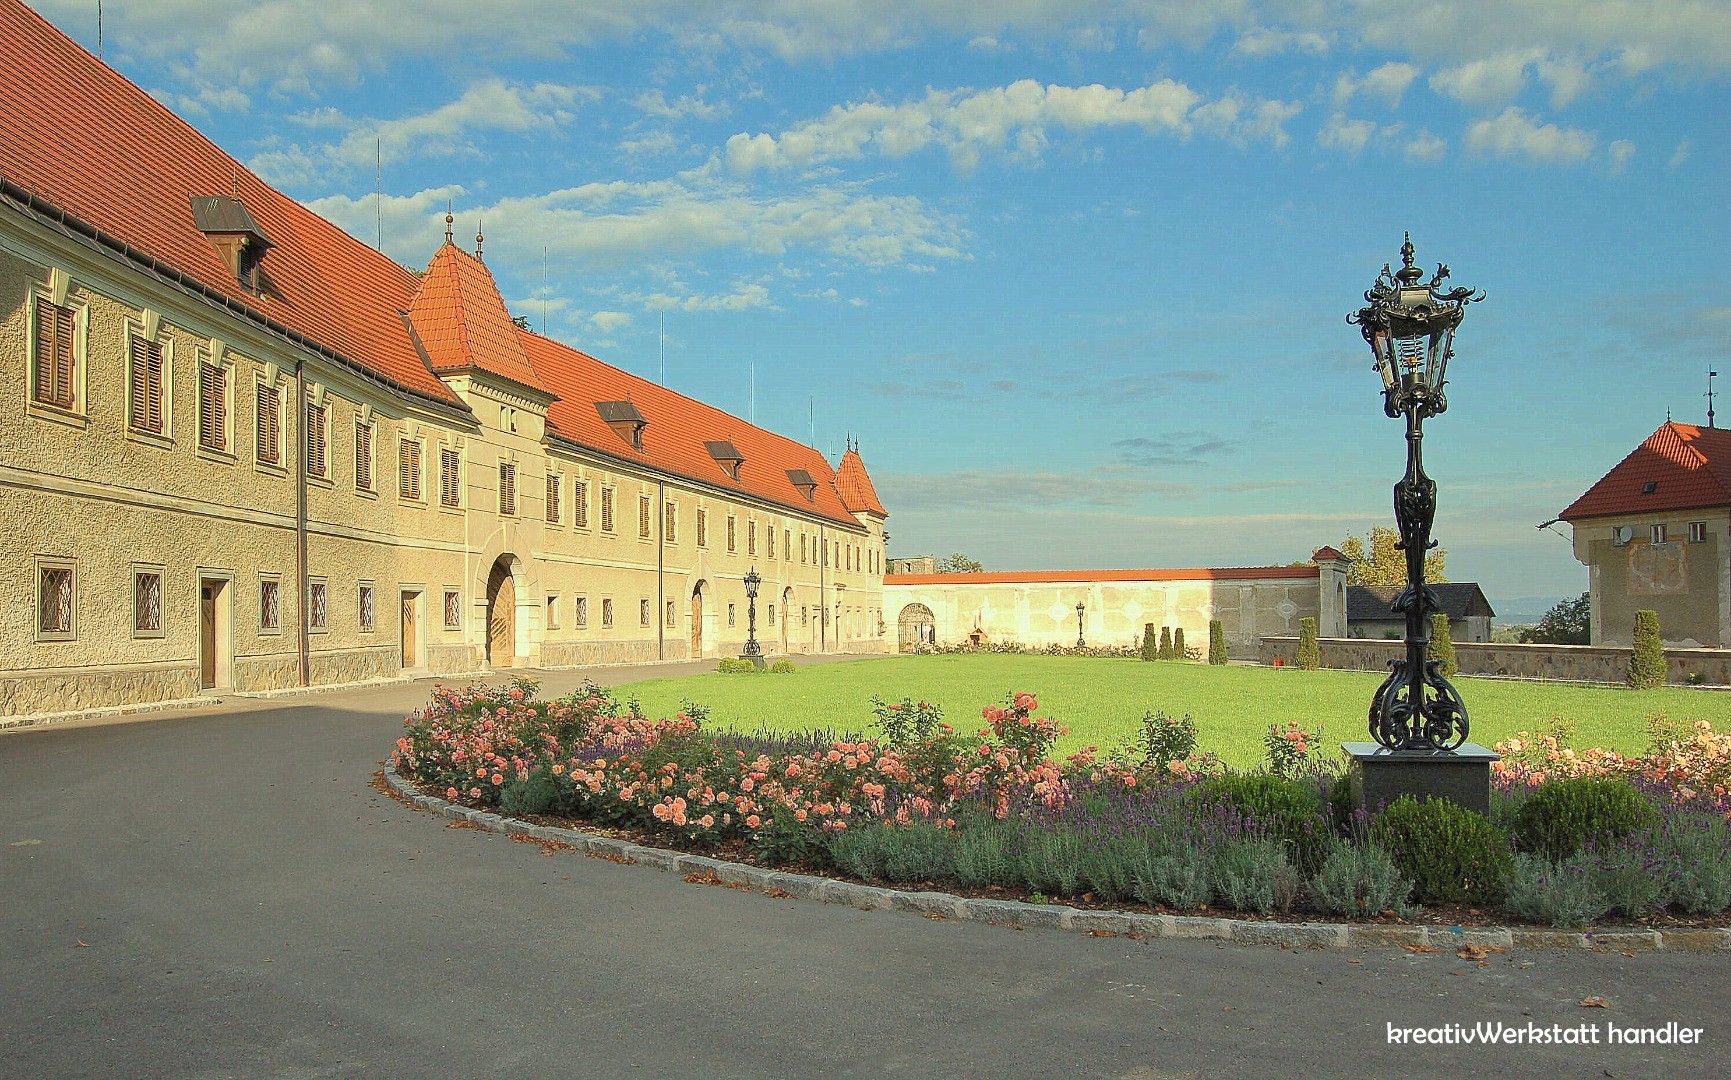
<point x="1024" y="577"/>
<point x="462" y="322"/>
<point x="855" y="485"/>
<point x="82" y="140"/>
<point x="1327" y="553"/>
<point x="1688" y="468"/>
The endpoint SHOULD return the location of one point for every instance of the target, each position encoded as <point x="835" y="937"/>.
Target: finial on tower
<point x="449" y="221"/>
<point x="478" y="238"/>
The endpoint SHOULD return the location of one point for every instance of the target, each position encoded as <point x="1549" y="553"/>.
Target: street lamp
<point x="1080" y="644"/>
<point x="1410" y="325"/>
<point x="752" y="581"/>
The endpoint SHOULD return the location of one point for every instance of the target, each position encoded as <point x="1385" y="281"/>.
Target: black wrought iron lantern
<point x="752" y="583"/>
<point x="1080" y="611"/>
<point x="1410" y="325"/>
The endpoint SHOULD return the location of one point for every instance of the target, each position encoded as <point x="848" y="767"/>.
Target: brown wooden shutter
<point x="269" y="425"/>
<point x="55" y="360"/>
<point x="580" y="504"/>
<point x="146" y="385"/>
<point x="212" y="409"/>
<point x="553" y="497"/>
<point x="363" y="456"/>
<point x="408" y="482"/>
<point x="315" y="440"/>
<point x="507" y="489"/>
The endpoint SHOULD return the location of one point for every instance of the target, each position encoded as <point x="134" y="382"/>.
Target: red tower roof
<point x="855" y="485"/>
<point x="1678" y="467"/>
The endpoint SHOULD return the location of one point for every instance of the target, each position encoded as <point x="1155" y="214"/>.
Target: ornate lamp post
<point x="1080" y="610"/>
<point x="1409" y="324"/>
<point x="752" y="582"/>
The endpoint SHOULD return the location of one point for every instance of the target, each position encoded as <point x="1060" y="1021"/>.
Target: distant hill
<point x="1524" y="609"/>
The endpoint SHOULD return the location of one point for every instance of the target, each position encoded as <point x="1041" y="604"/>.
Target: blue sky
<point x="1074" y="272"/>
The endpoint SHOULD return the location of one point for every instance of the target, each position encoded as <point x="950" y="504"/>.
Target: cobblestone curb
<point x="40" y="719"/>
<point x="1064" y="917"/>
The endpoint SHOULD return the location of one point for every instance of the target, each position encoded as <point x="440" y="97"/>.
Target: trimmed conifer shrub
<point x="1647" y="665"/>
<point x="1150" y="646"/>
<point x="1165" y="643"/>
<point x="1309" y="654"/>
<point x="1216" y="642"/>
<point x="1442" y="645"/>
<point x="1178" y="652"/>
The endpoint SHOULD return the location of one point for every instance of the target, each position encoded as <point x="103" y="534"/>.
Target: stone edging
<point x="29" y="720"/>
<point x="1063" y="917"/>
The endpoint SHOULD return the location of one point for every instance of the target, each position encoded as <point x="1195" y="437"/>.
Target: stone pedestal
<point x="1462" y="777"/>
<point x="760" y="662"/>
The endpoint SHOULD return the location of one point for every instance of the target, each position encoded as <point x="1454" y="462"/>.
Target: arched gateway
<point x="501" y="615"/>
<point x="916" y="626"/>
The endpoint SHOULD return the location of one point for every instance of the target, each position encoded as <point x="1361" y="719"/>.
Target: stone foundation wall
<point x="1565" y="663"/>
<point x="29" y="693"/>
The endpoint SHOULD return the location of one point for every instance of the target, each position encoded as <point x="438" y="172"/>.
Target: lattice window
<point x="318" y="606"/>
<point x="606" y="509"/>
<point x="147" y="602"/>
<point x="270" y="604"/>
<point x="212" y="406"/>
<point x="672" y="614"/>
<point x="363" y="456"/>
<point x="408" y="469"/>
<point x="450" y="479"/>
<point x="146" y="386"/>
<point x="318" y="461"/>
<point x="730" y="615"/>
<point x="751" y="538"/>
<point x="644" y="520"/>
<point x="580" y="503"/>
<point x="507" y="489"/>
<point x="582" y="613"/>
<point x="554" y="510"/>
<point x="606" y="612"/>
<point x="269" y="425"/>
<point x="643" y="612"/>
<point x="366" y="608"/>
<point x="55" y="601"/>
<point x="56" y="361"/>
<point x="453" y="609"/>
<point x="732" y="533"/>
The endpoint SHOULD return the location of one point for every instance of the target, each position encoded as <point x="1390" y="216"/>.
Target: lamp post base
<point x="1382" y="775"/>
<point x="758" y="661"/>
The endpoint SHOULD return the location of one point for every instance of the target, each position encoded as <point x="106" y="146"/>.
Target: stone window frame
<point x="609" y="523"/>
<point x="770" y="620"/>
<point x="270" y="585"/>
<point x="56" y="565"/>
<point x="672" y="616"/>
<point x="267" y="385"/>
<point x="507" y="487"/>
<point x="579" y="502"/>
<point x="555" y="499"/>
<point x="453" y="611"/>
<point x="580" y="613"/>
<point x="140" y="571"/>
<point x="366" y="606"/>
<point x="645" y="517"/>
<point x="553" y="612"/>
<point x="702" y="526"/>
<point x="56" y="291"/>
<point x="732" y="614"/>
<point x="1697" y="532"/>
<point x="670" y="522"/>
<point x="218" y="361"/>
<point x="318" y="602"/>
<point x="149" y="331"/>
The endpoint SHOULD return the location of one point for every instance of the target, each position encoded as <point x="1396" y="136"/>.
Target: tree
<point x="1216" y="642"/>
<point x="1647" y="664"/>
<point x="1178" y="650"/>
<point x="1150" y="646"/>
<point x="958" y="564"/>
<point x="1442" y="646"/>
<point x="1165" y="652"/>
<point x="1569" y="622"/>
<point x="1383" y="563"/>
<point x="1309" y="654"/>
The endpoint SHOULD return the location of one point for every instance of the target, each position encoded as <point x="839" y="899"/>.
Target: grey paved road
<point x="221" y="894"/>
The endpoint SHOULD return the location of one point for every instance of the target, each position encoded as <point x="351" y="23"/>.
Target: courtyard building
<point x="241" y="450"/>
<point x="1370" y="611"/>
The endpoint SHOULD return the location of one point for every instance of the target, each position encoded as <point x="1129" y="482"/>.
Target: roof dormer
<point x="624" y="419"/>
<point x="237" y="238"/>
<point x="803" y="480"/>
<point x="727" y="456"/>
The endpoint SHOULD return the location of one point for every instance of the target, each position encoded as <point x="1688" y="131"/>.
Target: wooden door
<point x="206" y="635"/>
<point x="501" y="618"/>
<point x="697" y="624"/>
<point x="411" y="633"/>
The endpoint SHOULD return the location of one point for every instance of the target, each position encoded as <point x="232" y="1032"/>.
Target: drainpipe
<point x="660" y="612"/>
<point x="822" y="585"/>
<point x="304" y="644"/>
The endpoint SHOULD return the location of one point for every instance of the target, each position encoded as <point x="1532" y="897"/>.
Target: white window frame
<point x="1697" y="532"/>
<point x="140" y="570"/>
<point x="274" y="580"/>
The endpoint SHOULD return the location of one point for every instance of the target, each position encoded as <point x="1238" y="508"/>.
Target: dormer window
<point x="727" y="456"/>
<point x="1649" y="487"/>
<point x="802" y="480"/>
<point x="624" y="419"/>
<point x="237" y="238"/>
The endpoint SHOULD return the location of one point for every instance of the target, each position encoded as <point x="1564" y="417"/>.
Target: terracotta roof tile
<point x="1025" y="577"/>
<point x="855" y="485"/>
<point x="462" y="321"/>
<point x="1678" y="467"/>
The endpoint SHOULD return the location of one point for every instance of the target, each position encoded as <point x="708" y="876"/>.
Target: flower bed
<point x="1153" y="823"/>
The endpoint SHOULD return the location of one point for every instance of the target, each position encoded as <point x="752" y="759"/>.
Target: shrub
<point x="538" y="794"/>
<point x="782" y="667"/>
<point x="1283" y="810"/>
<point x="1164" y="740"/>
<point x="1358" y="880"/>
<point x="1150" y="645"/>
<point x="1632" y="878"/>
<point x="907" y="724"/>
<point x="1699" y="848"/>
<point x="735" y="665"/>
<point x="1179" y="652"/>
<point x="1309" y="655"/>
<point x="1452" y="855"/>
<point x="1647" y="664"/>
<point x="1563" y="895"/>
<point x="983" y="854"/>
<point x="1289" y="750"/>
<point x="1562" y="816"/>
<point x="1050" y="860"/>
<point x="1176" y="879"/>
<point x="1216" y="642"/>
<point x="1165" y="652"/>
<point x="1442" y="646"/>
<point x="1342" y="807"/>
<point x="917" y="853"/>
<point x="1254" y="875"/>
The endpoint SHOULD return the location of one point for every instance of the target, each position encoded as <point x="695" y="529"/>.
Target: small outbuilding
<point x="1370" y="611"/>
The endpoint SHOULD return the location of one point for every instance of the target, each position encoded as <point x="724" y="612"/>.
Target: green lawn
<point x="1101" y="701"/>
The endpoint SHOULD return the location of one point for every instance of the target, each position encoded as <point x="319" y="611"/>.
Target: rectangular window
<point x="702" y="527"/>
<point x="826" y="552"/>
<point x="671" y="523"/>
<point x="731" y="618"/>
<point x="672" y="615"/>
<point x="212" y="406"/>
<point x="802" y="548"/>
<point x="553" y="612"/>
<point x="453" y="609"/>
<point x="553" y="508"/>
<point x="786" y="544"/>
<point x="751" y="538"/>
<point x="363" y="456"/>
<point x="772" y="615"/>
<point x="507" y="489"/>
<point x="408" y="469"/>
<point x="582" y="611"/>
<point x="804" y="615"/>
<point x="1659" y="534"/>
<point x="269" y="425"/>
<point x="450" y="478"/>
<point x="606" y="509"/>
<point x="580" y="503"/>
<point x="55" y="361"/>
<point x="365" y="609"/>
<point x="318" y="605"/>
<point x="732" y="533"/>
<point x="56" y="583"/>
<point x="269" y="605"/>
<point x="643" y="612"/>
<point x="147" y="603"/>
<point x="317" y="461"/>
<point x="1697" y="532"/>
<point x="146" y="390"/>
<point x="643" y="517"/>
<point x="769" y="542"/>
<point x="606" y="612"/>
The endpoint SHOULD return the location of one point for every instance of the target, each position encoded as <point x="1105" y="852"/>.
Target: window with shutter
<point x="212" y="406"/>
<point x="55" y="361"/>
<point x="408" y="469"/>
<point x="507" y="489"/>
<point x="146" y="386"/>
<point x="363" y="456"/>
<point x="671" y="524"/>
<point x="580" y="503"/>
<point x="606" y="509"/>
<point x="644" y="520"/>
<point x="553" y="507"/>
<point x="769" y="542"/>
<point x="751" y="538"/>
<point x="317" y="461"/>
<point x="269" y="425"/>
<point x="732" y="542"/>
<point x="450" y="478"/>
<point x="702" y="527"/>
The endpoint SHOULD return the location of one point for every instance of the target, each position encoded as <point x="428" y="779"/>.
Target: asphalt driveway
<point x="222" y="894"/>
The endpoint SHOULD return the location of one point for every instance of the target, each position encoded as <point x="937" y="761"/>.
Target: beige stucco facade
<point x="1685" y="578"/>
<point x="83" y="490"/>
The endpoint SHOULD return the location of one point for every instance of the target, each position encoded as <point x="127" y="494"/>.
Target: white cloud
<point x="1262" y="41"/>
<point x="652" y="144"/>
<point x="1569" y="79"/>
<point x="1351" y="136"/>
<point x="1619" y="152"/>
<point x="1423" y="146"/>
<point x="744" y="296"/>
<point x="1679" y="155"/>
<point x="655" y="103"/>
<point x="608" y="321"/>
<point x="1243" y="120"/>
<point x="1388" y="82"/>
<point x="1493" y="80"/>
<point x="1514" y="134"/>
